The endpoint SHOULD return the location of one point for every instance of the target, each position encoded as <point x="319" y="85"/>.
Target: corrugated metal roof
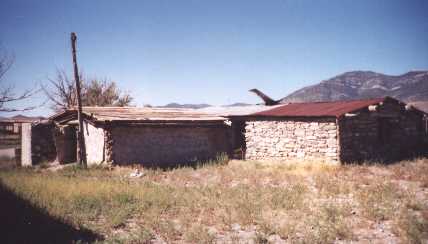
<point x="318" y="109"/>
<point x="141" y="114"/>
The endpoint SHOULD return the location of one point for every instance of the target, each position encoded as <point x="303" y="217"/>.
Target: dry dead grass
<point x="238" y="202"/>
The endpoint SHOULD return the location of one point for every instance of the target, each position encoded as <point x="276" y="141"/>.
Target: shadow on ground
<point x="21" y="222"/>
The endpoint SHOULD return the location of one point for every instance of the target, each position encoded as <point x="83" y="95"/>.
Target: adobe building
<point x="382" y="129"/>
<point x="148" y="136"/>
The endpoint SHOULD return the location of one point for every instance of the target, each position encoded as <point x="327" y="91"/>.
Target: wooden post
<point x="81" y="139"/>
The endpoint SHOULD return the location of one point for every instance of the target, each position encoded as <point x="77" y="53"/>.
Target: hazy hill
<point x="177" y="105"/>
<point x="21" y="117"/>
<point x="202" y="105"/>
<point x="409" y="87"/>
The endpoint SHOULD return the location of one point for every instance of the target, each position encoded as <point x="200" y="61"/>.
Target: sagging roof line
<point x="140" y="115"/>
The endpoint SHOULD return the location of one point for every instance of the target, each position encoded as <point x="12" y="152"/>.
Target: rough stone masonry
<point x="296" y="138"/>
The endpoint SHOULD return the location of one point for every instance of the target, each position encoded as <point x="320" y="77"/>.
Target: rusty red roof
<point x="318" y="109"/>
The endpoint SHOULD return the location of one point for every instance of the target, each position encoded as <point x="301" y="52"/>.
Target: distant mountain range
<point x="198" y="106"/>
<point x="409" y="87"/>
<point x="178" y="105"/>
<point x="22" y="118"/>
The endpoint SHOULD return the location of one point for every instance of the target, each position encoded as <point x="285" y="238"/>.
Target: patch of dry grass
<point x="240" y="201"/>
<point x="378" y="201"/>
<point x="411" y="227"/>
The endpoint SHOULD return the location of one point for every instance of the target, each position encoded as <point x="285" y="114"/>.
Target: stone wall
<point x="94" y="141"/>
<point x="390" y="133"/>
<point x="167" y="145"/>
<point x="292" y="138"/>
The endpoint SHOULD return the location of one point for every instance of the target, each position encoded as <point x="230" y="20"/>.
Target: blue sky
<point x="211" y="51"/>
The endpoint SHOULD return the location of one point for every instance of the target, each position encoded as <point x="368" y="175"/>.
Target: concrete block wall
<point x="167" y="145"/>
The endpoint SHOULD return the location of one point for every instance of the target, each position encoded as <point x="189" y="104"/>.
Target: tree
<point x="105" y="93"/>
<point x="7" y="93"/>
<point x="96" y="92"/>
<point x="63" y="93"/>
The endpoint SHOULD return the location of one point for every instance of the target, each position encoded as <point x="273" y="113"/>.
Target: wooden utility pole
<point x="80" y="136"/>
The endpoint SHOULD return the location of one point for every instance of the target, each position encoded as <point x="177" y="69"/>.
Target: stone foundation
<point x="292" y="139"/>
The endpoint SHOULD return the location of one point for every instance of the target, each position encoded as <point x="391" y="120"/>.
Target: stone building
<point x="148" y="136"/>
<point x="345" y="131"/>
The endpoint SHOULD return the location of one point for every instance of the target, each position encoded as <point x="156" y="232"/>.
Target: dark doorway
<point x="238" y="139"/>
<point x="66" y="144"/>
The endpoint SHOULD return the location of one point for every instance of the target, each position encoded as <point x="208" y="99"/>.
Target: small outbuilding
<point x="148" y="136"/>
<point x="382" y="129"/>
<point x="26" y="140"/>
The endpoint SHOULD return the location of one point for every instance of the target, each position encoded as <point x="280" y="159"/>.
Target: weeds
<point x="199" y="234"/>
<point x="332" y="186"/>
<point x="378" y="200"/>
<point x="297" y="202"/>
<point x="220" y="159"/>
<point x="411" y="228"/>
<point x="289" y="198"/>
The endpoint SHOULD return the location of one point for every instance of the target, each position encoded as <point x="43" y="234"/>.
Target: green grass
<point x="304" y="203"/>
